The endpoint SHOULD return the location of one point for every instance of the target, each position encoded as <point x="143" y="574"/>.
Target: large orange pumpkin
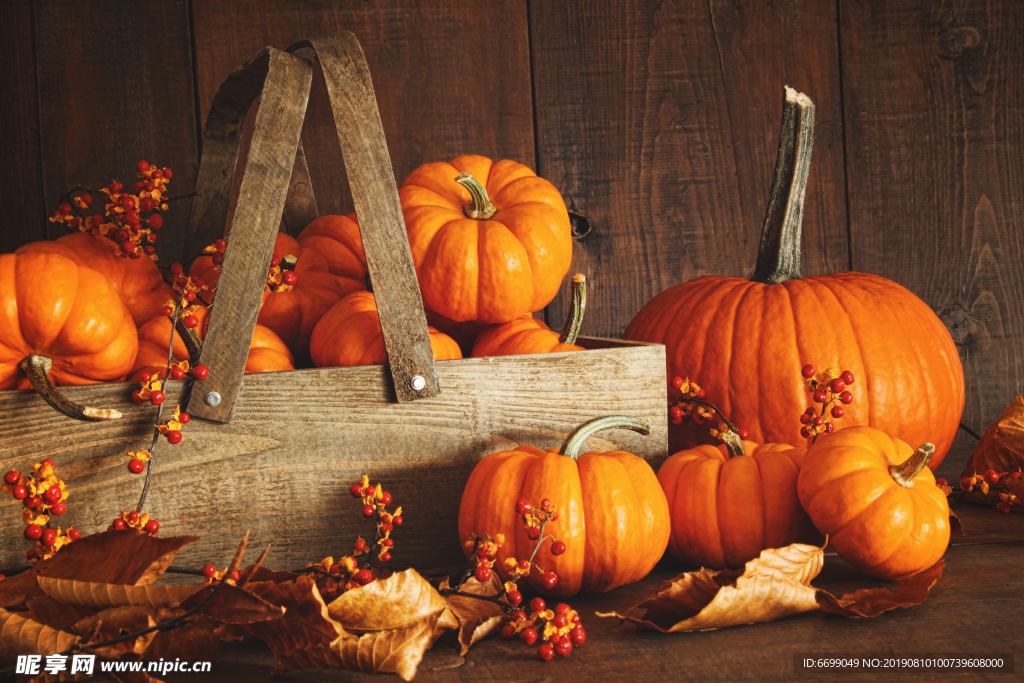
<point x="291" y="312"/>
<point x="730" y="502"/>
<point x="527" y="334"/>
<point x="613" y="516"/>
<point x="350" y="334"/>
<point x="491" y="241"/>
<point x="745" y="341"/>
<point x="61" y="323"/>
<point x="267" y="353"/>
<point x="138" y="280"/>
<point x="337" y="240"/>
<point x="876" y="500"/>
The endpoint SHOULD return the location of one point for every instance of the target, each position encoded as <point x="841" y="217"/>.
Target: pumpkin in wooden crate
<point x="349" y="334"/>
<point x="490" y="240"/>
<point x="527" y="334"/>
<point x="747" y="340"/>
<point x="613" y="516"/>
<point x="465" y="333"/>
<point x="730" y="502"/>
<point x="876" y="500"/>
<point x="292" y="304"/>
<point x="267" y="353"/>
<point x="137" y="280"/>
<point x="61" y="323"/>
<point x="337" y="240"/>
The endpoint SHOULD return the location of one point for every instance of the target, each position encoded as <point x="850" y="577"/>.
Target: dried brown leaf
<point x="475" y="619"/>
<point x="127" y="557"/>
<point x="104" y="595"/>
<point x="772" y="586"/>
<point x="395" y="602"/>
<point x="233" y="605"/>
<point x="398" y="651"/>
<point x="1001" y="448"/>
<point x="870" y="602"/>
<point x="956" y="527"/>
<point x="22" y="636"/>
<point x="197" y="640"/>
<point x="55" y="614"/>
<point x="112" y="622"/>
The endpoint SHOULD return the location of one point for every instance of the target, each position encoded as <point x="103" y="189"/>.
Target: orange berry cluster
<point x="214" y="576"/>
<point x="43" y="495"/>
<point x="483" y="550"/>
<point x="829" y="388"/>
<point x="992" y="481"/>
<point x="190" y="295"/>
<point x="133" y="520"/>
<point x="683" y="408"/>
<point x="281" y="277"/>
<point x="122" y="220"/>
<point x="559" y="630"/>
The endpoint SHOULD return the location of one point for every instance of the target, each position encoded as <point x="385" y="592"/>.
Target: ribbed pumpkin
<point x="491" y="241"/>
<point x="730" y="502"/>
<point x="350" y="334"/>
<point x="290" y="312"/>
<point x="745" y="341"/>
<point x="61" y="323"/>
<point x="138" y="281"/>
<point x="337" y="240"/>
<point x="876" y="500"/>
<point x="613" y="516"/>
<point x="527" y="334"/>
<point x="267" y="353"/>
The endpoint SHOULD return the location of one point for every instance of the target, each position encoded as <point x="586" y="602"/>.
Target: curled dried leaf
<point x="475" y="619"/>
<point x="395" y="602"/>
<point x="22" y="636"/>
<point x="104" y="595"/>
<point x="870" y="602"/>
<point x="1002" y="446"/>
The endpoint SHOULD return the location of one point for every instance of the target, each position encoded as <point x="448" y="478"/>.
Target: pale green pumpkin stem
<point x="904" y="473"/>
<point x="571" y="329"/>
<point x="480" y="208"/>
<point x="37" y="368"/>
<point x="778" y="259"/>
<point x="574" y="443"/>
<point x="734" y="443"/>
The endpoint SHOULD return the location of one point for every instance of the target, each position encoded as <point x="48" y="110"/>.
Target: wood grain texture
<point x="300" y="207"/>
<point x="298" y="440"/>
<point x="451" y="78"/>
<point x="115" y="86"/>
<point x="935" y="130"/>
<point x="21" y="185"/>
<point x="268" y="167"/>
<point x="653" y="123"/>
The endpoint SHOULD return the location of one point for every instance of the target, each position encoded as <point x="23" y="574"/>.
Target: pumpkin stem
<point x="37" y="368"/>
<point x="904" y="473"/>
<point x="778" y="259"/>
<point x="571" y="329"/>
<point x="480" y="208"/>
<point x="193" y="344"/>
<point x="574" y="443"/>
<point x="734" y="443"/>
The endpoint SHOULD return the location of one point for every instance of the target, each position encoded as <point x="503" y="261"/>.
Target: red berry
<point x="142" y="166"/>
<point x="805" y="433"/>
<point x="177" y="373"/>
<point x="127" y="203"/>
<point x="362" y="577"/>
<point x="218" y="259"/>
<point x="135" y="466"/>
<point x="847" y="377"/>
<point x="524" y="565"/>
<point x="209" y="570"/>
<point x="701" y="393"/>
<point x="153" y="526"/>
<point x="1003" y="507"/>
<point x="132" y="217"/>
<point x="742" y="433"/>
<point x="523" y="507"/>
<point x="564" y="647"/>
<point x="558" y="548"/>
<point x="514" y="598"/>
<point x="127" y="247"/>
<point x="941" y="482"/>
<point x="53" y="494"/>
<point x="33" y="532"/>
<point x="992" y="477"/>
<point x="235" y="576"/>
<point x="158" y="174"/>
<point x="184" y="418"/>
<point x="12" y="477"/>
<point x="675" y="412"/>
<point x="838" y="386"/>
<point x="837" y="411"/>
<point x="965" y="483"/>
<point x="533" y="533"/>
<point x="220" y="245"/>
<point x="538" y="605"/>
<point x="369" y="510"/>
<point x="677" y="382"/>
<point x="385" y="497"/>
<point x="808" y="371"/>
<point x="64" y="209"/>
<point x="167" y="173"/>
<point x="32" y="502"/>
<point x="562" y="608"/>
<point x="483" y="574"/>
<point x="49" y="537"/>
<point x="529" y="635"/>
<point x="133" y="516"/>
<point x="167" y="310"/>
<point x="59" y="508"/>
<point x="818" y="421"/>
<point x="19" y="492"/>
<point x="150" y="250"/>
<point x="173" y="437"/>
<point x="74" y="534"/>
<point x="546" y="652"/>
<point x="200" y="372"/>
<point x="805" y="419"/>
<point x="829" y="428"/>
<point x="119" y="524"/>
<point x="157" y="397"/>
<point x="190" y="321"/>
<point x="545" y="503"/>
<point x="846" y="397"/>
<point x="1013" y="475"/>
<point x="397" y="520"/>
<point x="559" y="621"/>
<point x="820" y="396"/>
<point x="578" y="636"/>
<point x="508" y="632"/>
<point x="356" y="490"/>
<point x="518" y="615"/>
<point x="289" y="277"/>
<point x="548" y="580"/>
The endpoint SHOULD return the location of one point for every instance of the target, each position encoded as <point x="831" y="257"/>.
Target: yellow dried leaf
<point x="21" y="636"/>
<point x="103" y="595"/>
<point x="391" y="603"/>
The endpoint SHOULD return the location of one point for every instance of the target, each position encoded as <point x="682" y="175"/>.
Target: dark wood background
<point x="658" y="120"/>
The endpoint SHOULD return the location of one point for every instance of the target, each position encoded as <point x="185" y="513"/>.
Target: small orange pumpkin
<point x="877" y="501"/>
<point x="491" y="241"/>
<point x="350" y="334"/>
<point x="730" y="502"/>
<point x="291" y="312"/>
<point x="61" y="323"/>
<point x="337" y="240"/>
<point x="527" y="334"/>
<point x="613" y="516"/>
<point x="137" y="280"/>
<point x="267" y="353"/>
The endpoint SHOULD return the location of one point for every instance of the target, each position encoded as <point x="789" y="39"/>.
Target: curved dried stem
<point x="37" y="369"/>
<point x="905" y="472"/>
<point x="574" y="443"/>
<point x="571" y="329"/>
<point x="481" y="208"/>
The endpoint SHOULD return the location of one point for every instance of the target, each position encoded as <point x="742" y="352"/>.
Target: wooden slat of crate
<point x="297" y="440"/>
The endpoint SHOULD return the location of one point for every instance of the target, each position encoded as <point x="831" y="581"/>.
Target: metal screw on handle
<point x="417" y="383"/>
<point x="212" y="399"/>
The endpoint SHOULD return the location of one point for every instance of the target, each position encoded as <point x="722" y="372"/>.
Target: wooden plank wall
<point x="657" y="119"/>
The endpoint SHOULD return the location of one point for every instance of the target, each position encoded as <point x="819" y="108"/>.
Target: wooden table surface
<point x="973" y="610"/>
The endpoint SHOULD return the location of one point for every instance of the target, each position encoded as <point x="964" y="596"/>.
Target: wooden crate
<point x="277" y="453"/>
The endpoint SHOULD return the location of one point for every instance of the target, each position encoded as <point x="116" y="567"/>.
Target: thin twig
<point x="970" y="431"/>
